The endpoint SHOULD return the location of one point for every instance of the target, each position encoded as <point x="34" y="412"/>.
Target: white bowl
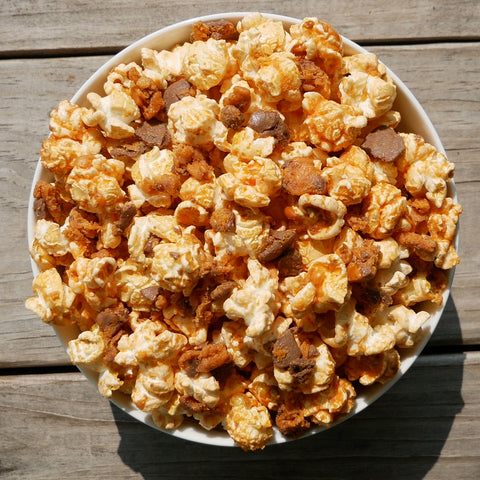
<point x="416" y="121"/>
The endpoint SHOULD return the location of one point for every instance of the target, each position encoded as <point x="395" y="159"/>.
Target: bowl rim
<point x="191" y="430"/>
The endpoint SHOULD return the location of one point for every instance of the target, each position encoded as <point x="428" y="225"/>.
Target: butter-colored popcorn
<point x="95" y="183"/>
<point x="405" y="322"/>
<point x="248" y="238"/>
<point x="49" y="242"/>
<point x="259" y="37"/>
<point x="427" y="171"/>
<point x="233" y="336"/>
<point x="206" y="64"/>
<point x="94" y="279"/>
<point x="194" y="120"/>
<point x="368" y="369"/>
<point x="275" y="77"/>
<point x="162" y="226"/>
<point x="353" y="331"/>
<point x="153" y="387"/>
<point x="252" y="183"/>
<point x="164" y="66"/>
<point x="87" y="348"/>
<point x="191" y="213"/>
<point x="390" y="251"/>
<point x="113" y="113"/>
<point x="183" y="320"/>
<point x="248" y="422"/>
<point x="256" y="302"/>
<point x="108" y="382"/>
<point x="328" y="275"/>
<point x="178" y="267"/>
<point x="170" y="415"/>
<point x="247" y="145"/>
<point x="67" y="121"/>
<point x="367" y="87"/>
<point x="54" y="300"/>
<point x="201" y="193"/>
<point x="349" y="178"/>
<point x="59" y="155"/>
<point x="390" y="280"/>
<point x="331" y="125"/>
<point x="149" y="342"/>
<point x="442" y="226"/>
<point x="418" y="289"/>
<point x="265" y="389"/>
<point x="204" y="387"/>
<point x="118" y="78"/>
<point x="323" y="215"/>
<point x="154" y="177"/>
<point x="383" y="207"/>
<point x="322" y="407"/>
<point x="317" y="40"/>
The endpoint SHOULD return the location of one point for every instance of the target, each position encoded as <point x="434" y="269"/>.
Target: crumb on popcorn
<point x="227" y="237"/>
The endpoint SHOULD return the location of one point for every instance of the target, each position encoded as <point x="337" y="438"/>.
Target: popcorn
<point x="153" y="175"/>
<point x="426" y="171"/>
<point x="193" y="120"/>
<point x="223" y="238"/>
<point x="256" y="302"/>
<point x="113" y="113"/>
<point x="206" y="64"/>
<point x="317" y="40"/>
<point x="54" y="299"/>
<point x="367" y="87"/>
<point x="330" y="125"/>
<point x="349" y="178"/>
<point x="248" y="422"/>
<point x="94" y="183"/>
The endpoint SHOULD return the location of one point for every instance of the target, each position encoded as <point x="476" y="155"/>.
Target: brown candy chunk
<point x="127" y="151"/>
<point x="176" y="91"/>
<point x="301" y="369"/>
<point x="290" y="421"/>
<point x="222" y="291"/>
<point x="286" y="350"/>
<point x="300" y="176"/>
<point x="150" y="293"/>
<point x="193" y="405"/>
<point x="364" y="262"/>
<point x="154" y="135"/>
<point x="384" y="144"/>
<point x="223" y="220"/>
<point x="213" y="356"/>
<point x="40" y="209"/>
<point x="216" y="29"/>
<point x="424" y="246"/>
<point x="276" y="244"/>
<point x="189" y="361"/>
<point x="290" y="264"/>
<point x="127" y="212"/>
<point x="270" y="124"/>
<point x="232" y="117"/>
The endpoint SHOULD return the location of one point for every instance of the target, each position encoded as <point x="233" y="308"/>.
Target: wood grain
<point x="57" y="426"/>
<point x="29" y="90"/>
<point x="44" y="28"/>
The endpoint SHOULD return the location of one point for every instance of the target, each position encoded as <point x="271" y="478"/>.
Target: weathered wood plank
<point x="29" y="89"/>
<point x="426" y="426"/>
<point x="37" y="28"/>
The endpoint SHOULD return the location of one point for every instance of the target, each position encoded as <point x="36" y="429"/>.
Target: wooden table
<point x="54" y="425"/>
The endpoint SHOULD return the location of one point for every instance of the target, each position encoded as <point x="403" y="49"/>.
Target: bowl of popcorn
<point x="243" y="229"/>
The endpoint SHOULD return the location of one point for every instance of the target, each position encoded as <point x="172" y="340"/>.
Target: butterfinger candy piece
<point x="232" y="117"/>
<point x="270" y="124"/>
<point x="286" y="350"/>
<point x="216" y="29"/>
<point x="277" y="243"/>
<point x="176" y="91"/>
<point x="127" y="212"/>
<point x="290" y="264"/>
<point x="384" y="144"/>
<point x="153" y="135"/>
<point x="300" y="176"/>
<point x="222" y="291"/>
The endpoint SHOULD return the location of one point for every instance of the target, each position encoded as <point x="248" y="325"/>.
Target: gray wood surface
<point x="53" y="424"/>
